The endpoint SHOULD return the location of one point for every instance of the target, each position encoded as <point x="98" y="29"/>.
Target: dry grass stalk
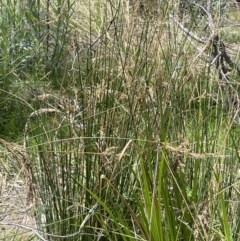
<point x="25" y="165"/>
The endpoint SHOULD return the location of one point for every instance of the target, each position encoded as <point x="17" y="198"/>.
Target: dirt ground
<point x="15" y="216"/>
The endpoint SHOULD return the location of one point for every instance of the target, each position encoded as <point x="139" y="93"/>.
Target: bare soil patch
<point x="14" y="213"/>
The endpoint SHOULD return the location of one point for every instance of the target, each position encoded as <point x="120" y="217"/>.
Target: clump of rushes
<point x="125" y="122"/>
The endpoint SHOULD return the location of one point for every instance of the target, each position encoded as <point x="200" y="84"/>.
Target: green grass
<point x="128" y="139"/>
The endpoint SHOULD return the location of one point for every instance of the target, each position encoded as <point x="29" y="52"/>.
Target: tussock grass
<point x="124" y="123"/>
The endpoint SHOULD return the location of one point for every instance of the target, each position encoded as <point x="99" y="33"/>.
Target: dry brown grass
<point x="16" y="193"/>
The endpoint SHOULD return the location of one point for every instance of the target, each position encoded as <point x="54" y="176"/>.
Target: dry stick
<point x="207" y="12"/>
<point x="210" y="20"/>
<point x="219" y="52"/>
<point x="188" y="32"/>
<point x="207" y="44"/>
<point x="211" y="27"/>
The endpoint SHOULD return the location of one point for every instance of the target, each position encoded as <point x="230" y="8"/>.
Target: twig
<point x="187" y="32"/>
